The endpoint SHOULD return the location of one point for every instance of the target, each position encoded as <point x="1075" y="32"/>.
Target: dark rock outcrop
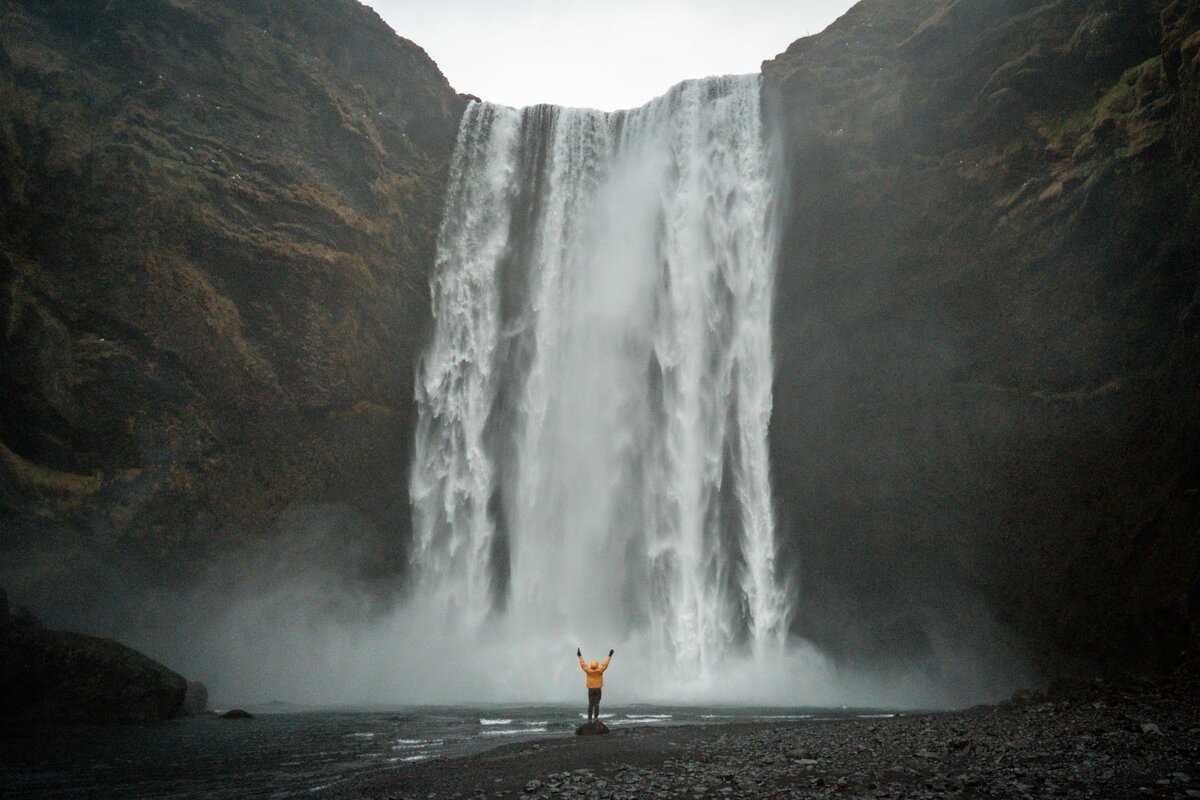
<point x="986" y="406"/>
<point x="596" y="728"/>
<point x="55" y="676"/>
<point x="195" y="700"/>
<point x="237" y="713"/>
<point x="218" y="224"/>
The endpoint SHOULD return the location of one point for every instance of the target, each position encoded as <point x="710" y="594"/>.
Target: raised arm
<point x="579" y="655"/>
<point x="604" y="665"/>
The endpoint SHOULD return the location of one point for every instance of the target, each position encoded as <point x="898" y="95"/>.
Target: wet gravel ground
<point x="1138" y="739"/>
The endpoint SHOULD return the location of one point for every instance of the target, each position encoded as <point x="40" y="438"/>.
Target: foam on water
<point x="515" y="732"/>
<point x="416" y="744"/>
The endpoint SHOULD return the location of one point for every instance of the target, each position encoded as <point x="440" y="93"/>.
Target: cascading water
<point x="591" y="456"/>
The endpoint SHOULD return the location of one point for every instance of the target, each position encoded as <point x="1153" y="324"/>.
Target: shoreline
<point x="1137" y="739"/>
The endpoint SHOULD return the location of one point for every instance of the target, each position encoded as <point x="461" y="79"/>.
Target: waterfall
<point x="591" y="453"/>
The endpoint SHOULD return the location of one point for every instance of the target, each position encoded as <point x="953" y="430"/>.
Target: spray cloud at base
<point x="276" y="637"/>
<point x="293" y="620"/>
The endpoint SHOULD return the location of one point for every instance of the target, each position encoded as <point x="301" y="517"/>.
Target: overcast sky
<point x="607" y="55"/>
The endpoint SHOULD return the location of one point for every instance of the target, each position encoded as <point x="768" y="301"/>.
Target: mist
<point x="265" y="648"/>
<point x="358" y="368"/>
<point x="591" y="464"/>
<point x="291" y="623"/>
<point x="301" y="617"/>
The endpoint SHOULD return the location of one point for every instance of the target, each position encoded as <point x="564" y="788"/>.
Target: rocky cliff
<point x="218" y="223"/>
<point x="987" y="413"/>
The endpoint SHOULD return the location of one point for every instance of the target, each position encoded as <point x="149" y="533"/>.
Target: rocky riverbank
<point x="1136" y="739"/>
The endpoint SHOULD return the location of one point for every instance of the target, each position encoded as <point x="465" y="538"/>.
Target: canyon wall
<point x="219" y="223"/>
<point x="218" y="226"/>
<point x="986" y="408"/>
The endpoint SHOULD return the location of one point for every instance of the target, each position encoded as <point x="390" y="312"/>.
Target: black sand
<point x="1139" y="739"/>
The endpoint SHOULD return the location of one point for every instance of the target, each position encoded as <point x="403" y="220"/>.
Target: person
<point x="595" y="682"/>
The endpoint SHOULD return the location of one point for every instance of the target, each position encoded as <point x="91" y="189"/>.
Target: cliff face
<point x="987" y="398"/>
<point x="218" y="224"/>
<point x="219" y="218"/>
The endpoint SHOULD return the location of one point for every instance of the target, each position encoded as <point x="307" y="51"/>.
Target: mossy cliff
<point x="987" y="413"/>
<point x="218" y="223"/>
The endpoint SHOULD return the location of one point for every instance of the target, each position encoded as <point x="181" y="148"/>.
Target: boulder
<point x="591" y="729"/>
<point x="56" y="676"/>
<point x="237" y="713"/>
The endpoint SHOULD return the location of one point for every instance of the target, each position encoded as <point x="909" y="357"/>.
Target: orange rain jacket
<point x="594" y="672"/>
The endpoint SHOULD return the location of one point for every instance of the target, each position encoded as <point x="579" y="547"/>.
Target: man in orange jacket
<point x="595" y="681"/>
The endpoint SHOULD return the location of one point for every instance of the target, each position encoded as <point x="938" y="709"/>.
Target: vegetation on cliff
<point x="218" y="224"/>
<point x="986" y="404"/>
<point x="219" y="219"/>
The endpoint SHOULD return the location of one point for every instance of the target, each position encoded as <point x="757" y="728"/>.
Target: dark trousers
<point x="593" y="704"/>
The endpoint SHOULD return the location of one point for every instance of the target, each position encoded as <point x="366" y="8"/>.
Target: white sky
<point x="607" y="55"/>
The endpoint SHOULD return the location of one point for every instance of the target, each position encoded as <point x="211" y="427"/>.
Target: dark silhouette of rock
<point x="22" y="616"/>
<point x="237" y="713"/>
<point x="596" y="728"/>
<point x="18" y="615"/>
<point x="56" y="676"/>
<point x="195" y="701"/>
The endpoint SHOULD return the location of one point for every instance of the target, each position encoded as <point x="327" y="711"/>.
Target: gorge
<point x="948" y="249"/>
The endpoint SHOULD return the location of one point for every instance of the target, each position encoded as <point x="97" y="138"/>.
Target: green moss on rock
<point x="985" y="406"/>
<point x="219" y="223"/>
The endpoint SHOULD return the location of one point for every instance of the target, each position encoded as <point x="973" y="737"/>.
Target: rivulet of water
<point x="591" y="455"/>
